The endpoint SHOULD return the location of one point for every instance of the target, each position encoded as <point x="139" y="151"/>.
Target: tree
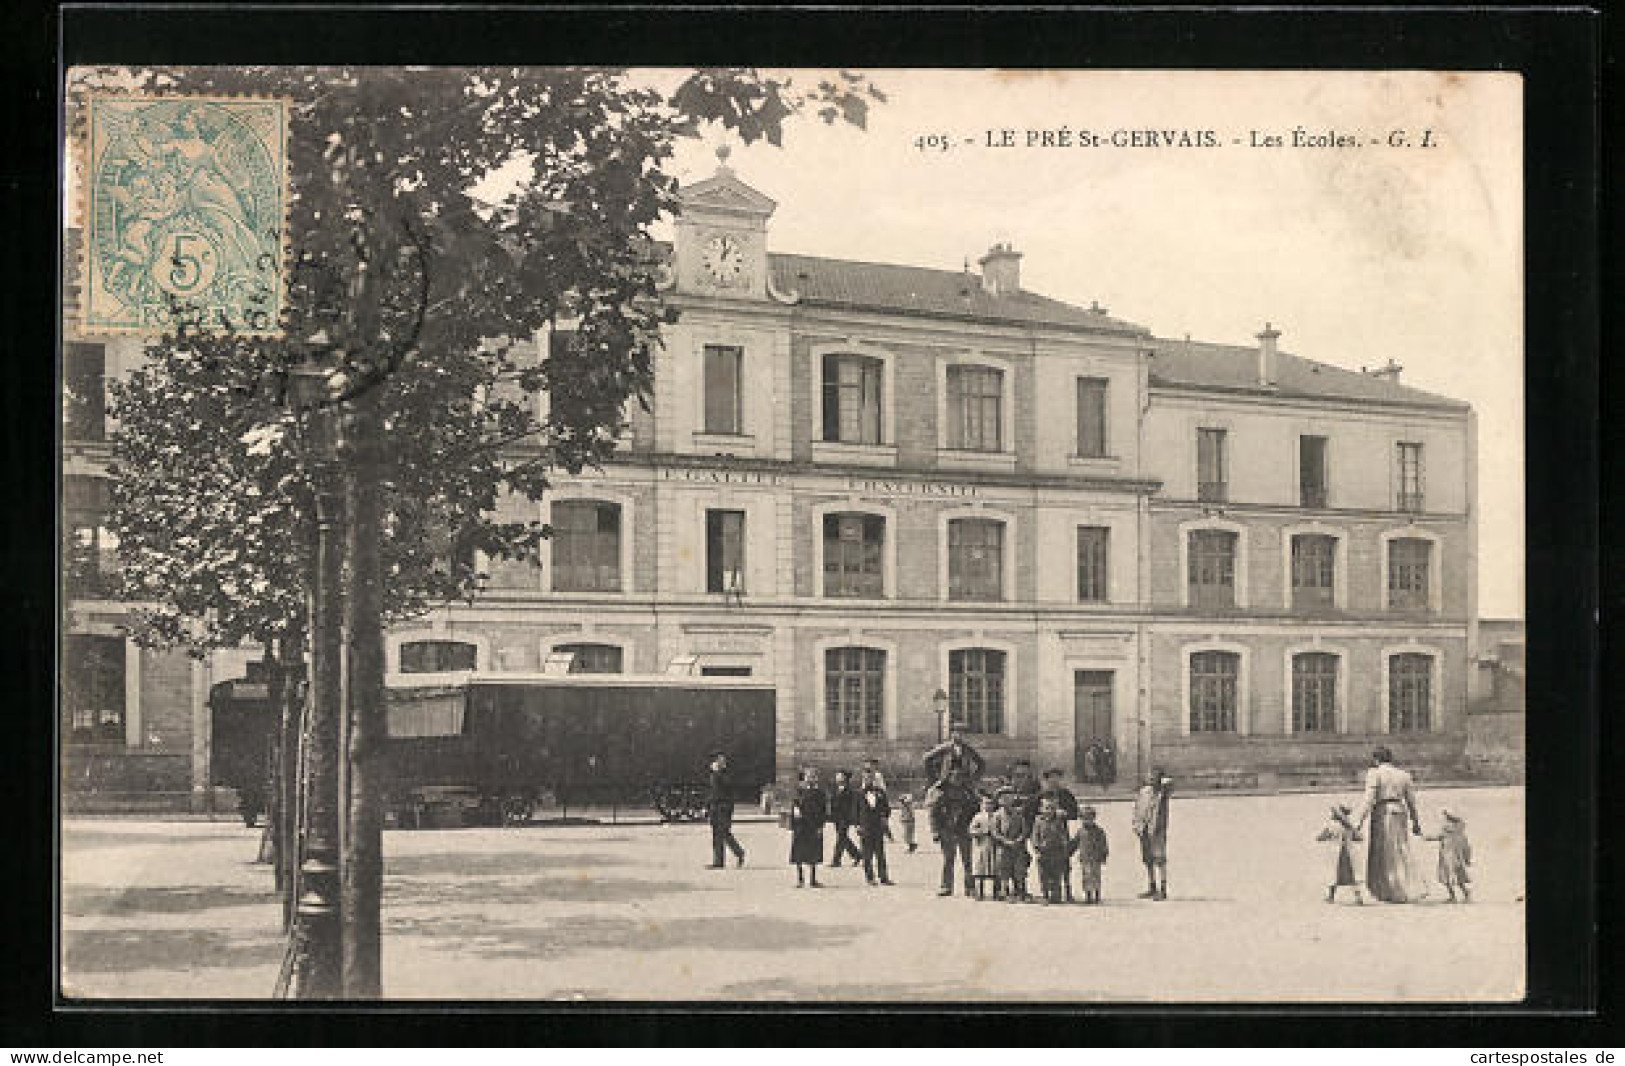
<point x="416" y="301"/>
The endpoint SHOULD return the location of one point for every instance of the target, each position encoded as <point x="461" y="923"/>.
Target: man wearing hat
<point x="720" y="808"/>
<point x="950" y="823"/>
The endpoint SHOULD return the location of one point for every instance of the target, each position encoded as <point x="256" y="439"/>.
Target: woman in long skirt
<point x="808" y="813"/>
<point x="1390" y="803"/>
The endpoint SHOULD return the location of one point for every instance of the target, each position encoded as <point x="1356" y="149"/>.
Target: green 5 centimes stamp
<point x="186" y="214"/>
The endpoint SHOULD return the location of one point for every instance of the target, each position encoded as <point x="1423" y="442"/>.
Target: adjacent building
<point x="914" y="498"/>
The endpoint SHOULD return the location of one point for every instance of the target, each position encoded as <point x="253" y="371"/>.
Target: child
<point x="932" y="795"/>
<point x="1455" y="855"/>
<point x="983" y="850"/>
<point x="1010" y="832"/>
<point x="1343" y="831"/>
<point x="1091" y="848"/>
<point x="905" y="818"/>
<point x="1051" y="843"/>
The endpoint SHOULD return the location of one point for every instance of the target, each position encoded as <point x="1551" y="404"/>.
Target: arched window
<point x="855" y="691"/>
<point x="854" y="555"/>
<point x="437" y="656"/>
<point x="1215" y="691"/>
<point x="976" y="689"/>
<point x="1212" y="568"/>
<point x="1410" y="692"/>
<point x="593" y="658"/>
<point x="586" y="546"/>
<point x="1410" y="583"/>
<point x="93" y="687"/>
<point x="975" y="559"/>
<point x="1314" y="692"/>
<point x="1314" y="570"/>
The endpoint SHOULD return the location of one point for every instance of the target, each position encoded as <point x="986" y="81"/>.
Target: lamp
<point x="939" y="703"/>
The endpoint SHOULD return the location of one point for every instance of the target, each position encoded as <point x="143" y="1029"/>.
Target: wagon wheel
<point x="696" y="808"/>
<point x="517" y="810"/>
<point x="665" y="803"/>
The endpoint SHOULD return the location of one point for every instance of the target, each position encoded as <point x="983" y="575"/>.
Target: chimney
<point x="1001" y="269"/>
<point x="1385" y="373"/>
<point x="1267" y="357"/>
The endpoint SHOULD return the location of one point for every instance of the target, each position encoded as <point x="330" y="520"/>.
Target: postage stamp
<point x="185" y="212"/>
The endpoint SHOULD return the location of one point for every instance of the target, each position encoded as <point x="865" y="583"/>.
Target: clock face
<point x="724" y="260"/>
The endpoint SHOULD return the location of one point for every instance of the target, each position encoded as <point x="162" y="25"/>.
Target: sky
<point x="1357" y="255"/>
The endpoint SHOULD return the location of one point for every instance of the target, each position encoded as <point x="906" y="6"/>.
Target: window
<point x="975" y="402"/>
<point x="975" y="559"/>
<point x="1092" y="573"/>
<point x="437" y="656"/>
<point x="852" y="399"/>
<point x="854" y="555"/>
<point x="855" y="691"/>
<point x="1210" y="466"/>
<point x="1312" y="471"/>
<point x="90" y="565"/>
<point x="1410" y="477"/>
<point x="1410" y="693"/>
<point x="1314" y="693"/>
<point x="1409" y="580"/>
<point x="586" y="546"/>
<point x="1314" y="569"/>
<point x="725" y="551"/>
<point x="84" y="396"/>
<point x="1092" y="417"/>
<point x="976" y="696"/>
<point x="425" y="716"/>
<point x="1212" y="568"/>
<point x="592" y="658"/>
<point x="724" y="410"/>
<point x="93" y="688"/>
<point x="1214" y="691"/>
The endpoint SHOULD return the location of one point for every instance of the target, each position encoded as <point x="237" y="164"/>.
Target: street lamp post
<point x="318" y="973"/>
<point x="939" y="703"/>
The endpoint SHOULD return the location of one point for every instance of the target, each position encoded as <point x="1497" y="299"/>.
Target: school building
<point x="917" y="498"/>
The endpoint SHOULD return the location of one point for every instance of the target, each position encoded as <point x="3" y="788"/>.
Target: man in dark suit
<point x="720" y="806"/>
<point x="874" y="813"/>
<point x="950" y="824"/>
<point x="843" y="811"/>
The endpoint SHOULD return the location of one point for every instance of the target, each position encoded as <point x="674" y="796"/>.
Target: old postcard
<point x="793" y="535"/>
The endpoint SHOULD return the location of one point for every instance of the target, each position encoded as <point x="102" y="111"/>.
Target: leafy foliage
<point x="425" y="300"/>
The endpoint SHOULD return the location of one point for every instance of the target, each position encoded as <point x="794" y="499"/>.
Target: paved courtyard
<point x="179" y="909"/>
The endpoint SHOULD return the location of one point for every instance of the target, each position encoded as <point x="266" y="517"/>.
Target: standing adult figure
<point x="1390" y="802"/>
<point x="950" y="824"/>
<point x="1151" y="826"/>
<point x="955" y="753"/>
<point x="809" y="810"/>
<point x="720" y="811"/>
<point x="843" y="811"/>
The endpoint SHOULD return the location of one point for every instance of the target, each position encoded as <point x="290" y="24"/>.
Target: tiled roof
<point x="1195" y="364"/>
<point x="920" y="290"/>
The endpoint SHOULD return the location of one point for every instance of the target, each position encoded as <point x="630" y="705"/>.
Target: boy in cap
<point x="905" y="818"/>
<point x="1091" y="848"/>
<point x="1010" y="832"/>
<point x="1342" y="830"/>
<point x="1051" y="842"/>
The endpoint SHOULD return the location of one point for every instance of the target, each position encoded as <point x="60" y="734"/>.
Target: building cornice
<point x="1279" y="400"/>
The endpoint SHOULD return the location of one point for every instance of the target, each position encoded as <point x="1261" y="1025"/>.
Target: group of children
<point x="1000" y="859"/>
<point x="1455" y="854"/>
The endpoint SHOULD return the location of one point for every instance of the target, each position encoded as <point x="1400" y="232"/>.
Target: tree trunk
<point x="362" y="864"/>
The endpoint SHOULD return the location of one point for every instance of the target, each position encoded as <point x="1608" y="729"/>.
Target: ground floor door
<point x="1092" y="725"/>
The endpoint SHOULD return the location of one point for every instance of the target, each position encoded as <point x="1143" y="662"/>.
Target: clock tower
<point x="721" y="245"/>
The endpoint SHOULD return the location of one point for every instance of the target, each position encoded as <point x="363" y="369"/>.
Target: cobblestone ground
<point x="179" y="909"/>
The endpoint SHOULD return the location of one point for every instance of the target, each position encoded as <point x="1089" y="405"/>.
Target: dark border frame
<point x="1557" y="50"/>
